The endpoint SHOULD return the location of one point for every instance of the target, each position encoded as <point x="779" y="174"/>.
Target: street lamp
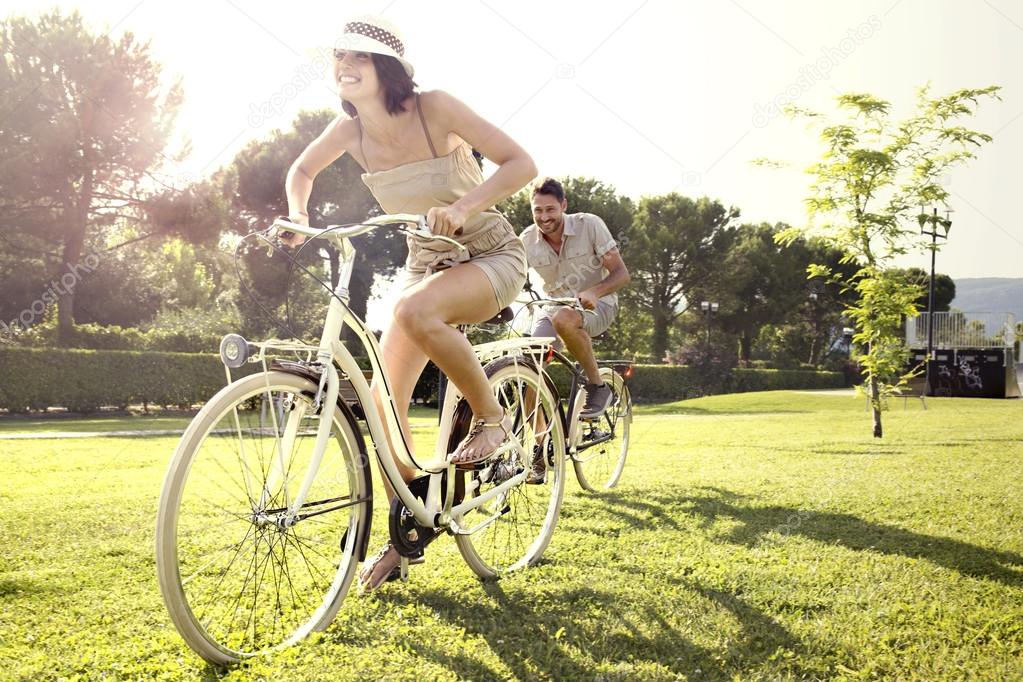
<point x="945" y="224"/>
<point x="709" y="308"/>
<point x="816" y="289"/>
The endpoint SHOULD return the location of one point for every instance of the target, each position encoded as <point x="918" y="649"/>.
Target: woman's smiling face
<point x="355" y="73"/>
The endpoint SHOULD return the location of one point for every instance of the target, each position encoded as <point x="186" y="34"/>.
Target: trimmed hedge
<point x="659" y="383"/>
<point x="85" y="380"/>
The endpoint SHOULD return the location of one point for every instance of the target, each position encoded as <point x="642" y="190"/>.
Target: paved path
<point x="23" y="435"/>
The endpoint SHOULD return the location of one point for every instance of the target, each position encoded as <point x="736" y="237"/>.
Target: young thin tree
<point x="868" y="188"/>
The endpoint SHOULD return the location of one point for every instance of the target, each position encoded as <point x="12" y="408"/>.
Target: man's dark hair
<point x="549" y="186"/>
<point x="397" y="84"/>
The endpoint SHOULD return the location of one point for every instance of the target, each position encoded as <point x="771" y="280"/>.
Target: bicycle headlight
<point x="234" y="351"/>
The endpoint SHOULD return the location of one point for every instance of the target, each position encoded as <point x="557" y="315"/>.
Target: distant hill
<point x="990" y="294"/>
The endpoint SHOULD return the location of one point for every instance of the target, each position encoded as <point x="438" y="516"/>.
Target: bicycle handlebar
<point x="416" y="223"/>
<point x="572" y="303"/>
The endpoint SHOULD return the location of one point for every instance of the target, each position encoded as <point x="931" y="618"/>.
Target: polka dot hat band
<point x="376" y="35"/>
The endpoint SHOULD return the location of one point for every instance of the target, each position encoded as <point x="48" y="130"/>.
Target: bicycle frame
<point x="432" y="512"/>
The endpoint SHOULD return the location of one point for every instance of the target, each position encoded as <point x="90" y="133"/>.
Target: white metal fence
<point x="957" y="329"/>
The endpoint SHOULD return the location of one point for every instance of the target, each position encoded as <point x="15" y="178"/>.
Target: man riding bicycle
<point x="575" y="256"/>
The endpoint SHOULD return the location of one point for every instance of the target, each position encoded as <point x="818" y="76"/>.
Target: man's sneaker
<point x="538" y="470"/>
<point x="598" y="397"/>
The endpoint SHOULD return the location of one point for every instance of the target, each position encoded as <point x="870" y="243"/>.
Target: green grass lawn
<point x="755" y="536"/>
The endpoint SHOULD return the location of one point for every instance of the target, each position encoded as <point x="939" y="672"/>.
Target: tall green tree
<point x="944" y="289"/>
<point x="807" y="333"/>
<point x="873" y="176"/>
<point x="86" y="121"/>
<point x="764" y="283"/>
<point x="674" y="250"/>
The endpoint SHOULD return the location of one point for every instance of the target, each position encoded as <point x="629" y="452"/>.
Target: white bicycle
<point x="266" y="507"/>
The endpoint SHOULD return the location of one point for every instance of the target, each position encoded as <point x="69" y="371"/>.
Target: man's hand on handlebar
<point x="587" y="300"/>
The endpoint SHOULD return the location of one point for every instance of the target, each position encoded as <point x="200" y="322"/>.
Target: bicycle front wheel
<point x="240" y="575"/>
<point x="602" y="444"/>
<point x="522" y="520"/>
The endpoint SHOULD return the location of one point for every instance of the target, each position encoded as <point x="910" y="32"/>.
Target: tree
<point x="88" y="121"/>
<point x="674" y="249"/>
<point x="764" y="283"/>
<point x="873" y="175"/>
<point x="256" y="185"/>
<point x="810" y="331"/>
<point x="944" y="289"/>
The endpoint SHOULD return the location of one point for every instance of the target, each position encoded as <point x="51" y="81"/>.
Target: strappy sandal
<point x="462" y="460"/>
<point x="367" y="585"/>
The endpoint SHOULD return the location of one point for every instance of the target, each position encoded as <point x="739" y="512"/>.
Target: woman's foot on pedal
<point x="485" y="438"/>
<point x="383" y="567"/>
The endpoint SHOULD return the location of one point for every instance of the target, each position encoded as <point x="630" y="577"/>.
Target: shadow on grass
<point x="14" y="587"/>
<point x="572" y="633"/>
<point x="757" y="523"/>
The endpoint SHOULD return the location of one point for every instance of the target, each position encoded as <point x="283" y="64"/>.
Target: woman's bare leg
<point x="459" y="295"/>
<point x="404" y="362"/>
<point x="422" y="328"/>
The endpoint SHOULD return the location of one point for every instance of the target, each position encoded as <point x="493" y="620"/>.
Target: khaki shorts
<point x="496" y="251"/>
<point x="594" y="324"/>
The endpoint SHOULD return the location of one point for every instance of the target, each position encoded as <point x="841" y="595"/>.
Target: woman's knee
<point x="414" y="314"/>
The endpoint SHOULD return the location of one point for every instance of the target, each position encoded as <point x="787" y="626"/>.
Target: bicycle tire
<point x="215" y="545"/>
<point x="599" y="467"/>
<point x="528" y="513"/>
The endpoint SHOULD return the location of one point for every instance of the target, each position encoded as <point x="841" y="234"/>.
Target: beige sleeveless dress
<point x="490" y="241"/>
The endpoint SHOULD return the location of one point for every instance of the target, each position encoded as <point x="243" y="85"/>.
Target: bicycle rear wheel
<point x="238" y="576"/>
<point x="602" y="444"/>
<point x="525" y="516"/>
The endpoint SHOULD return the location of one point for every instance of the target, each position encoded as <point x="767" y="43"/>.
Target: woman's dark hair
<point x="396" y="82"/>
<point x="549" y="186"/>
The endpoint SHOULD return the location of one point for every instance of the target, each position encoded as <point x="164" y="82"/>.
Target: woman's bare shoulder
<point x="344" y="130"/>
<point x="440" y="103"/>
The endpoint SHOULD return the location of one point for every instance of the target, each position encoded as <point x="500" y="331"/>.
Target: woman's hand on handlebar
<point x="294" y="239"/>
<point x="446" y="221"/>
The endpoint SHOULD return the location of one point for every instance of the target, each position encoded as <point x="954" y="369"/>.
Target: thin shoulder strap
<point x="362" y="151"/>
<point x="422" y="119"/>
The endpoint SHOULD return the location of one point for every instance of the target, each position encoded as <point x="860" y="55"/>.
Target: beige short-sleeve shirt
<point x="579" y="266"/>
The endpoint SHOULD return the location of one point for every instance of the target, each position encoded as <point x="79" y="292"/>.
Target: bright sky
<point x="650" y="96"/>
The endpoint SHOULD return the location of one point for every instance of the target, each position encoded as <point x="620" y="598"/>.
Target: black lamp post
<point x="816" y="289"/>
<point x="709" y="308"/>
<point x="945" y="224"/>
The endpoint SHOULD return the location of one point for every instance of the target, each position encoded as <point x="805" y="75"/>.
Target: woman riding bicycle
<point x="416" y="150"/>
